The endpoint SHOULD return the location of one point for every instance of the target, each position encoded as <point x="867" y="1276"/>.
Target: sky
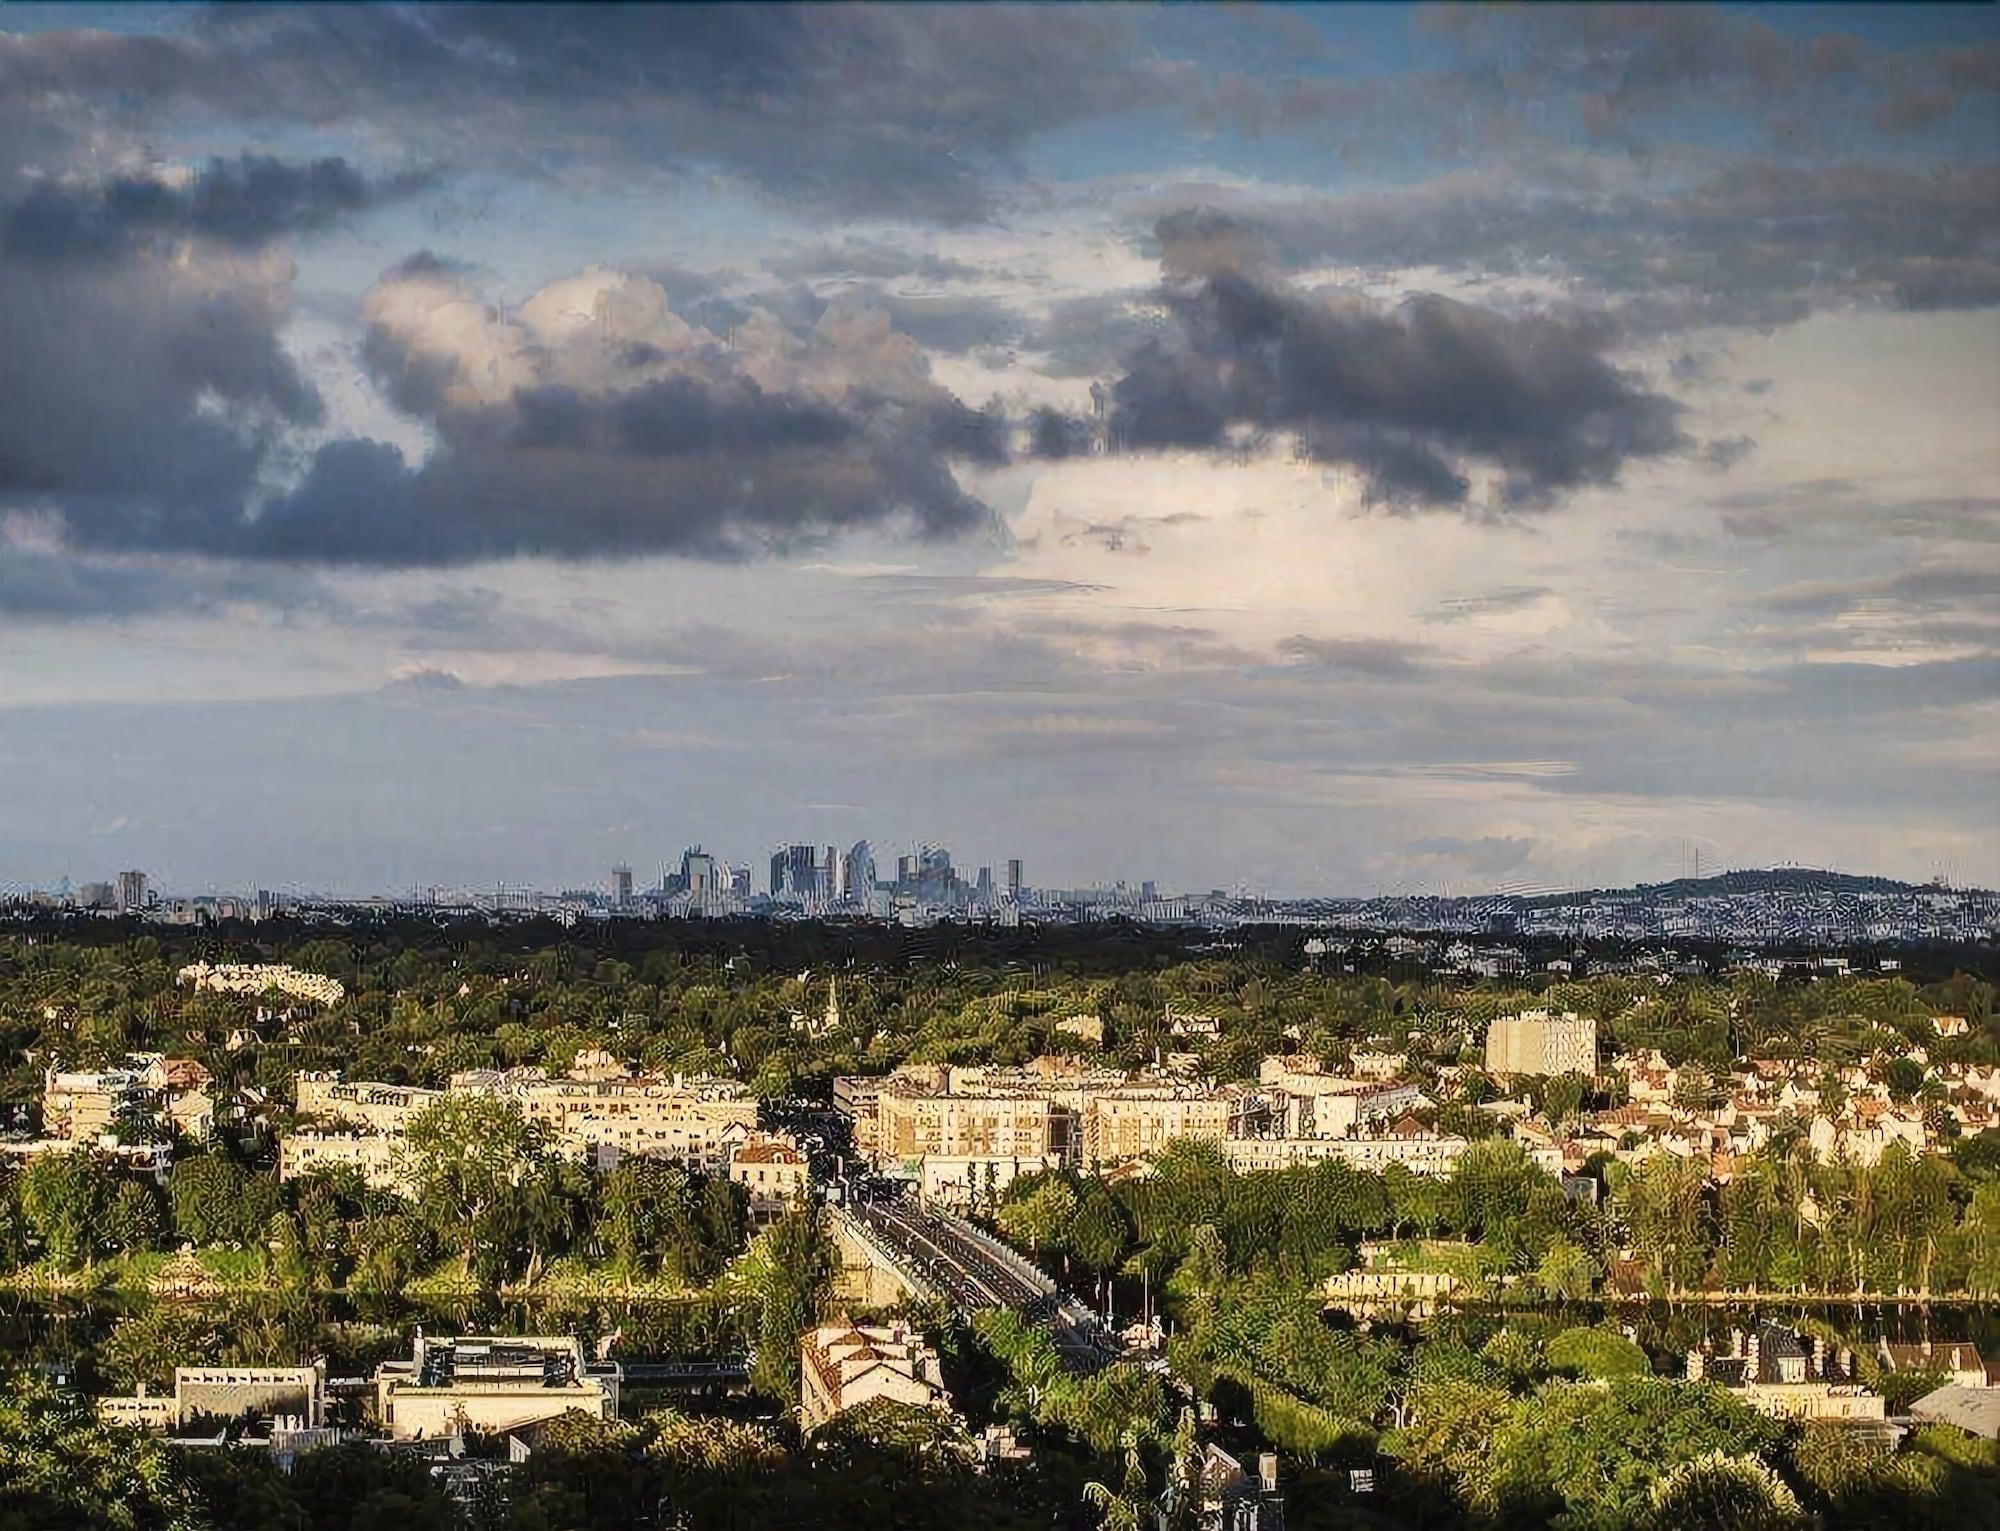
<point x="1314" y="450"/>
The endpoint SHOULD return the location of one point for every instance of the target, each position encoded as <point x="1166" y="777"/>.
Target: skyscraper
<point x="621" y="886"/>
<point x="796" y="873"/>
<point x="857" y="871"/>
<point x="131" y="891"/>
<point x="1014" y="877"/>
<point x="700" y="873"/>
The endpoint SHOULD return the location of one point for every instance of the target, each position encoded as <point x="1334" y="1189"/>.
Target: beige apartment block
<point x="974" y="1180"/>
<point x="920" y="1125"/>
<point x="258" y="978"/>
<point x="1140" y="1121"/>
<point x="1537" y="1042"/>
<point x="322" y="1096"/>
<point x="374" y="1154"/>
<point x="772" y="1172"/>
<point x="226" y="1392"/>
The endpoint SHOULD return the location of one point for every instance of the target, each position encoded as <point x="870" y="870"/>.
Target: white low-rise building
<point x="491" y="1384"/>
<point x="842" y="1366"/>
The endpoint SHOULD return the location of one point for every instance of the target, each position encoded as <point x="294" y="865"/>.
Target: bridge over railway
<point x="941" y="1255"/>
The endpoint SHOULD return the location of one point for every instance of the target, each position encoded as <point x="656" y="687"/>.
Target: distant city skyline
<point x="755" y="877"/>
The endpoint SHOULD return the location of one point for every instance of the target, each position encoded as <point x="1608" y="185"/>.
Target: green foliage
<point x="653" y="1217"/>
<point x="1596" y="1353"/>
<point x="1590" y="1453"/>
<point x="215" y="1201"/>
<point x="1122" y="1401"/>
<point x="60" y="1467"/>
<point x="1719" y="1492"/>
<point x="790" y="1271"/>
<point x="66" y="1201"/>
<point x="486" y="1183"/>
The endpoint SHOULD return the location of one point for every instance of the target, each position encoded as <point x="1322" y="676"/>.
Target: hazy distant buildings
<point x="798" y="876"/>
<point x="857" y="872"/>
<point x="131" y="892"/>
<point x="621" y="886"/>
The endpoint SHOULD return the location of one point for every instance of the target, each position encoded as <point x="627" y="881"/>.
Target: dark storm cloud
<point x="110" y="378"/>
<point x="651" y="438"/>
<point x="245" y="202"/>
<point x="781" y="482"/>
<point x="1665" y="246"/>
<point x="901" y="110"/>
<point x="1406" y="394"/>
<point x="1079" y="337"/>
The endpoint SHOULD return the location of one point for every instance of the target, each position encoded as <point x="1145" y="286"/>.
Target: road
<point x="966" y="1272"/>
<point x="974" y="1278"/>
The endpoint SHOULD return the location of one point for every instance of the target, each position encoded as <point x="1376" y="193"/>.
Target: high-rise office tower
<point x="796" y="873"/>
<point x="621" y="886"/>
<point x="700" y="872"/>
<point x="1014" y="877"/>
<point x="857" y="871"/>
<point x="131" y="891"/>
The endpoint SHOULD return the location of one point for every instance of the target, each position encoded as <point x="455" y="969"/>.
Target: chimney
<point x="1267" y="1471"/>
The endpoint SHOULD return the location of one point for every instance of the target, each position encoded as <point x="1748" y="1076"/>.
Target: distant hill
<point x="1726" y="884"/>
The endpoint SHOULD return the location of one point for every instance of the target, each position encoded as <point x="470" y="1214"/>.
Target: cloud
<point x="244" y="202"/>
<point x="1387" y="657"/>
<point x="1494" y="603"/>
<point x="1924" y="589"/>
<point x="595" y="421"/>
<point x="893" y="110"/>
<point x="44" y="582"/>
<point x="1408" y="394"/>
<point x="1486" y="856"/>
<point x="1665" y="244"/>
<point x="866" y="259"/>
<point x="428" y="678"/>
<point x="141" y="397"/>
<point x="1127" y="534"/>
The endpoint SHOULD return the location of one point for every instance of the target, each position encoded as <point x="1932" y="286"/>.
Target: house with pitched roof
<point x="843" y="1365"/>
